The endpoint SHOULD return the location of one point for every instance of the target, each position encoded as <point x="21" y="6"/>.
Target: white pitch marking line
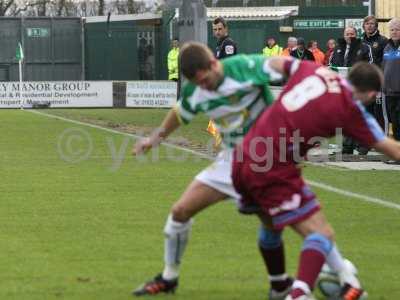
<point x="320" y="185"/>
<point x="119" y="132"/>
<point x="354" y="195"/>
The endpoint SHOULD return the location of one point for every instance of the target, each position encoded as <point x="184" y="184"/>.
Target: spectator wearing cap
<point x="301" y="52"/>
<point x="272" y="48"/>
<point x="317" y="53"/>
<point x="330" y="46"/>
<point x="391" y="70"/>
<point x="291" y="44"/>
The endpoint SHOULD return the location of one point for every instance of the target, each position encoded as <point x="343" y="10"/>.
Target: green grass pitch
<point x="92" y="229"/>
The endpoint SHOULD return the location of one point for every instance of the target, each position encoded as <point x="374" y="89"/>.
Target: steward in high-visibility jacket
<point x="274" y="51"/>
<point x="272" y="48"/>
<point x="173" y="68"/>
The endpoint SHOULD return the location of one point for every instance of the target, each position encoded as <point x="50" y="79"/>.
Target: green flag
<point x="19" y="53"/>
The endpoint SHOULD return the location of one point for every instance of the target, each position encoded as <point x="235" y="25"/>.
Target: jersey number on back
<point x="308" y="89"/>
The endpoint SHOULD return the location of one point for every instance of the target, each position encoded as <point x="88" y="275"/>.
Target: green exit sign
<point x="37" y="32"/>
<point x="318" y="24"/>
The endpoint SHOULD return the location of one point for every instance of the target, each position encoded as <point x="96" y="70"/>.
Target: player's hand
<point x="142" y="146"/>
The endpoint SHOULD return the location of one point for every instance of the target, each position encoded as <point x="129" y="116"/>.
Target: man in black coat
<point x="348" y="51"/>
<point x="300" y="52"/>
<point x="374" y="39"/>
<point x="377" y="42"/>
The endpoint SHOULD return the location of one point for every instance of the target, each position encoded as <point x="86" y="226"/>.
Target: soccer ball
<point x="328" y="280"/>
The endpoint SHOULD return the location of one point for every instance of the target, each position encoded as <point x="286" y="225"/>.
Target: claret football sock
<point x="315" y="248"/>
<point x="311" y="262"/>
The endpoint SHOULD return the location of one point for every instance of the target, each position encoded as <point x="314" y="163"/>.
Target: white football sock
<point x="176" y="238"/>
<point x="280" y="277"/>
<point x="335" y="260"/>
<point x="170" y="272"/>
<point x="336" y="263"/>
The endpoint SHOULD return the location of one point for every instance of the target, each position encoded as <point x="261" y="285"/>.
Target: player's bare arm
<point x="389" y="147"/>
<point x="170" y="124"/>
<point x="278" y="64"/>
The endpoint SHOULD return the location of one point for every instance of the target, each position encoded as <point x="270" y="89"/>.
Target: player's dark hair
<point x="193" y="57"/>
<point x="220" y="20"/>
<point x="366" y="77"/>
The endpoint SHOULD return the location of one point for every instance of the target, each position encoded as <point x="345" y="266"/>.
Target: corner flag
<point x="19" y="53"/>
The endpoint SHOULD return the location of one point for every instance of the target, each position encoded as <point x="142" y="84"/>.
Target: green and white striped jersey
<point x="239" y="99"/>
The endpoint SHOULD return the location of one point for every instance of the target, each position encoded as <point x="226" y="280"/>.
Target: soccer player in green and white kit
<point x="232" y="92"/>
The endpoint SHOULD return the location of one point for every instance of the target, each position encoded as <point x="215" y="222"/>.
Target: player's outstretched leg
<point x="317" y="246"/>
<point x="351" y="286"/>
<point x="271" y="247"/>
<point x="177" y="229"/>
<point x="332" y="283"/>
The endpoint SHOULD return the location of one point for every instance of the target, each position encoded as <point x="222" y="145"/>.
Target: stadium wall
<point x="52" y="48"/>
<point x="128" y="47"/>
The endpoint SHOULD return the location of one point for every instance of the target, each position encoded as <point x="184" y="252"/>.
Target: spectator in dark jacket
<point x="350" y="50"/>
<point x="301" y="52"/>
<point x="391" y="68"/>
<point x="377" y="42"/>
<point x="374" y="39"/>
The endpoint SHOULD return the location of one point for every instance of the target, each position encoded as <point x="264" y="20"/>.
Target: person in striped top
<point x="233" y="92"/>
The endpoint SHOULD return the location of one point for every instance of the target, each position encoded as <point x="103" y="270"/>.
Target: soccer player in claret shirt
<point x="233" y="92"/>
<point x="314" y="103"/>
